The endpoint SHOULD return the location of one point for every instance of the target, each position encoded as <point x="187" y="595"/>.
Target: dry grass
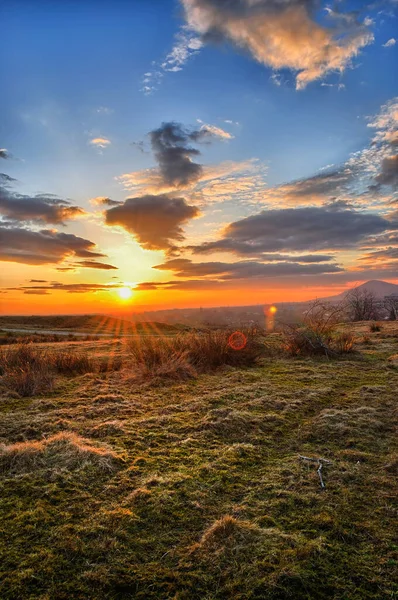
<point x="211" y="501"/>
<point x="188" y="354"/>
<point x="70" y="362"/>
<point x="62" y="451"/>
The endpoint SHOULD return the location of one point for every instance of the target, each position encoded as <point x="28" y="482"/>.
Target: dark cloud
<point x="6" y="179"/>
<point x="173" y="152"/>
<point x="37" y="292"/>
<point x="381" y="255"/>
<point x="38" y="281"/>
<point x="42" y="247"/>
<point x="154" y="220"/>
<point x="389" y="171"/>
<point x="105" y="201"/>
<point x="323" y="184"/>
<point x="71" y="288"/>
<point x="39" y="208"/>
<point x="244" y="269"/>
<point x="297" y="229"/>
<point x="387" y="239"/>
<point x="92" y="264"/>
<point x="4" y="153"/>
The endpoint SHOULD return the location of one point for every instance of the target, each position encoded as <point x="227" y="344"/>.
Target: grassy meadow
<point x="171" y="469"/>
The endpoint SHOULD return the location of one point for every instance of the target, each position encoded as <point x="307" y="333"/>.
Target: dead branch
<point x="320" y="462"/>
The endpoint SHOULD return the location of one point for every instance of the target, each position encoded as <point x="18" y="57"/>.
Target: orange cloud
<point x="281" y="34"/>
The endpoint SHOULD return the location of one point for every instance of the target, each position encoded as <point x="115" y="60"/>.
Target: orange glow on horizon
<point x="14" y="302"/>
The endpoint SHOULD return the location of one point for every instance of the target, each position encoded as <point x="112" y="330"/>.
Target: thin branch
<point x="320" y="462"/>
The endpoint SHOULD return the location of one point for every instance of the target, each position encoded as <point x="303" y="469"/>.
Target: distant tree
<point x="391" y="305"/>
<point x="361" y="305"/>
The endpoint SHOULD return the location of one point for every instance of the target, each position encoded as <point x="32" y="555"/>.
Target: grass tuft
<point x="61" y="451"/>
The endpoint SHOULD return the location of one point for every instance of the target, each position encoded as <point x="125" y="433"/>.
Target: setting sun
<point x="125" y="293"/>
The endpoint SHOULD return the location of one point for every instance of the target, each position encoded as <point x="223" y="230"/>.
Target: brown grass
<point x="61" y="451"/>
<point x="188" y="354"/>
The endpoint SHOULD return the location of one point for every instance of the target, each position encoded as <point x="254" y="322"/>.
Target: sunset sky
<point x="197" y="152"/>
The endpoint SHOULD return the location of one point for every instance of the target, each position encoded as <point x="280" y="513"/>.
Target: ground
<point x="112" y="488"/>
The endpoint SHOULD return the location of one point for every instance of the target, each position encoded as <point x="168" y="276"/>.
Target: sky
<point x="182" y="153"/>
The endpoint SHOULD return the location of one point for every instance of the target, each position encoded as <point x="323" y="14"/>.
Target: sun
<point x="125" y="293"/>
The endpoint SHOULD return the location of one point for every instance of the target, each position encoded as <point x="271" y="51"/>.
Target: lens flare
<point x="237" y="340"/>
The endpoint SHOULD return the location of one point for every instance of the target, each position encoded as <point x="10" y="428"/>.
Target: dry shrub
<point x="30" y="370"/>
<point x="318" y="334"/>
<point x="187" y="354"/>
<point x="69" y="362"/>
<point x="26" y="370"/>
<point x="374" y="327"/>
<point x="29" y="380"/>
<point x="61" y="451"/>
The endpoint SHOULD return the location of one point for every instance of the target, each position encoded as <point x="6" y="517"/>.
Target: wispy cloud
<point x="390" y="43"/>
<point x="100" y="142"/>
<point x="187" y="44"/>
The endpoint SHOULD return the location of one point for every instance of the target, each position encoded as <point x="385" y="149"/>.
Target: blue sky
<point x="75" y="72"/>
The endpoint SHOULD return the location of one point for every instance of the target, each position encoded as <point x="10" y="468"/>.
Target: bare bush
<point x="374" y="327"/>
<point x="391" y="305"/>
<point x="361" y="305"/>
<point x="318" y="334"/>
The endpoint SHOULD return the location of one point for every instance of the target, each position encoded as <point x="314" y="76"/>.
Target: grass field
<point x="115" y="487"/>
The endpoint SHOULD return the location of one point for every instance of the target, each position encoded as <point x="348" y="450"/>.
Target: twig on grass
<point x="320" y="462"/>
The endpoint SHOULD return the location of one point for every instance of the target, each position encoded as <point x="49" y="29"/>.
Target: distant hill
<point x="86" y="323"/>
<point x="375" y="286"/>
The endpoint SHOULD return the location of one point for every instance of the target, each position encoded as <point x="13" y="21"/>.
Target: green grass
<point x="195" y="490"/>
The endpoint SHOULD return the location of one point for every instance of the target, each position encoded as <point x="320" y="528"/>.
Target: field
<point x="115" y="486"/>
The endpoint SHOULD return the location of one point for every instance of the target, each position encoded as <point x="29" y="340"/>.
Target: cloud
<point x="100" y="142"/>
<point x="172" y="146"/>
<point x="317" y="189"/>
<point x="244" y="270"/>
<point x="389" y="171"/>
<point x="43" y="247"/>
<point x="37" y="292"/>
<point x="92" y="264"/>
<point x="388" y="254"/>
<point x="390" y="43"/>
<point x="339" y="86"/>
<point x="155" y="221"/>
<point x="6" y="180"/>
<point x="41" y="208"/>
<point x="210" y="131"/>
<point x="186" y="45"/>
<point x="281" y="33"/>
<point x="296" y="229"/>
<point x="70" y="288"/>
<point x="386" y="123"/>
<point x="104" y="110"/>
<point x="173" y="152"/>
<point x="104" y="201"/>
<point x="4" y="153"/>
